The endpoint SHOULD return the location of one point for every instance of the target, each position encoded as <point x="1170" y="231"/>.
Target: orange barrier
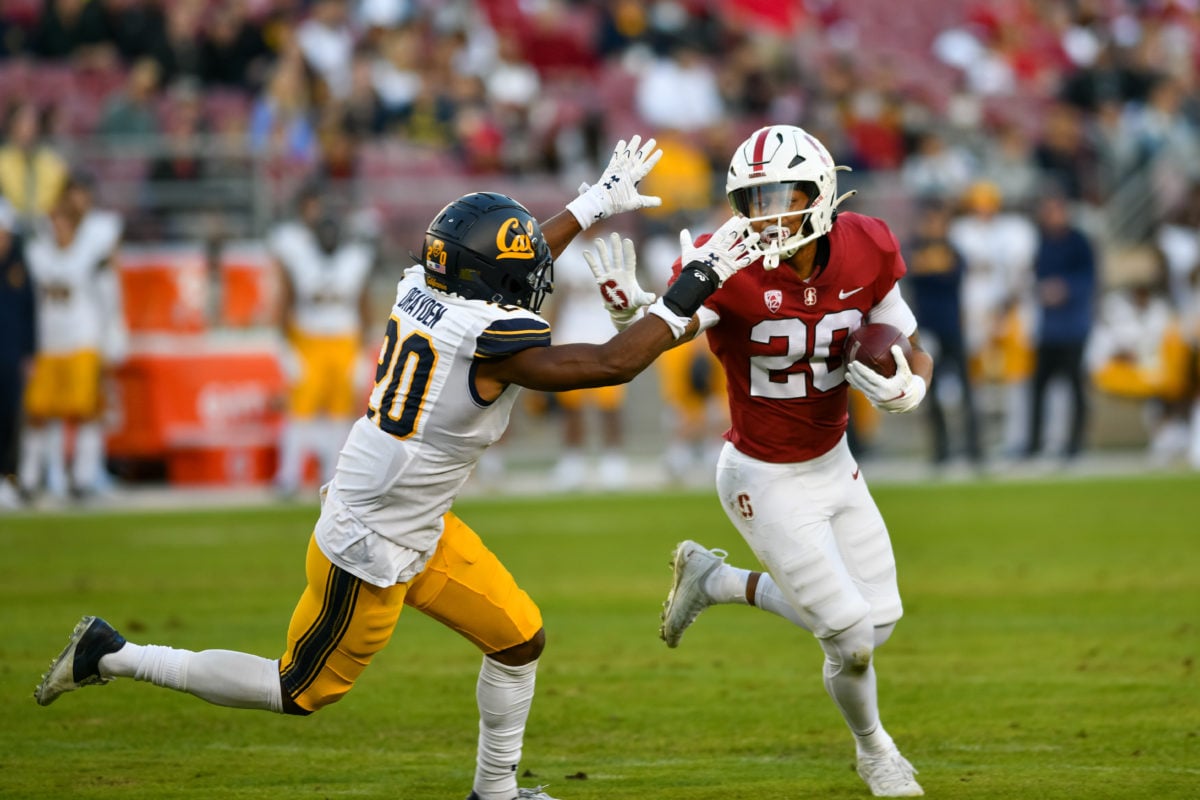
<point x="211" y="412"/>
<point x="173" y="289"/>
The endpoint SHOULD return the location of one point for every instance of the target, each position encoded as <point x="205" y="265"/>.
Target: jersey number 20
<point x="782" y="376"/>
<point x="401" y="381"/>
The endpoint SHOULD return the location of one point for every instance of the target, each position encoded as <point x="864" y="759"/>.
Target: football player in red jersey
<point x="786" y="477"/>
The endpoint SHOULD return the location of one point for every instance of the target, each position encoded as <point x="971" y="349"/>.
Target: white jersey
<point x="999" y="255"/>
<point x="579" y="316"/>
<point x="102" y="229"/>
<point x="71" y="313"/>
<point x="425" y="428"/>
<point x="326" y="287"/>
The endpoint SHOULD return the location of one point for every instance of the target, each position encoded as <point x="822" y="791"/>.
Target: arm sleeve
<point x="505" y="337"/>
<point x="893" y="310"/>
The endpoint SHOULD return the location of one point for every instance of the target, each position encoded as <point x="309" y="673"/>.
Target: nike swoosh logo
<point x="844" y="295"/>
<point x="854" y="477"/>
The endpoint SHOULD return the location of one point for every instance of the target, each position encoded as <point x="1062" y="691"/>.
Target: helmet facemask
<point x="784" y="177"/>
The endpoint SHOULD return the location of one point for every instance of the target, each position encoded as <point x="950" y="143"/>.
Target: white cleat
<point x="889" y="775"/>
<point x="692" y="564"/>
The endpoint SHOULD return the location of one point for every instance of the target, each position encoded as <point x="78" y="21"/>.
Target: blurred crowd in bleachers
<point x="202" y="119"/>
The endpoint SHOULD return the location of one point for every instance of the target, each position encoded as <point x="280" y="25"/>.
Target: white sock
<point x="222" y="677"/>
<point x="877" y="742"/>
<point x="293" y="446"/>
<point x="32" y="457"/>
<point x="768" y="597"/>
<point x="87" y="464"/>
<point x="333" y="433"/>
<point x="504" y="695"/>
<point x="55" y="454"/>
<point x="852" y="685"/>
<point x="727" y="584"/>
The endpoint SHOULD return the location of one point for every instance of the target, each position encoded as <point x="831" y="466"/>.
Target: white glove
<point x="614" y="266"/>
<point x="726" y="251"/>
<point x="617" y="191"/>
<point x="897" y="394"/>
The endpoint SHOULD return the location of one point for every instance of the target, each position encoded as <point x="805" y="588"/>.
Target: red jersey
<point x="780" y="340"/>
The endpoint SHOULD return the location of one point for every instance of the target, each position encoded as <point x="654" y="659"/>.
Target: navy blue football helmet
<point x="487" y="246"/>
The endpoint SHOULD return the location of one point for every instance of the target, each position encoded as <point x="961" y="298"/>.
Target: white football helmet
<point x="782" y="174"/>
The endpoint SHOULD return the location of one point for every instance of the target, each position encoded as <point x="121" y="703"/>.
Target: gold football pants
<point x="341" y="621"/>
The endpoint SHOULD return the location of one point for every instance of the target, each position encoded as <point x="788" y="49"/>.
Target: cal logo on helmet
<point x="512" y="241"/>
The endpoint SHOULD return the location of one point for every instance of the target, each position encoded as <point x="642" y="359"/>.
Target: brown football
<point x="871" y="346"/>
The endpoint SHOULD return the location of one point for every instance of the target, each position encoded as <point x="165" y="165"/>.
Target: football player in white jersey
<point x="80" y="335"/>
<point x="324" y="273"/>
<point x="463" y="334"/>
<point x="103" y="229"/>
<point x="786" y="476"/>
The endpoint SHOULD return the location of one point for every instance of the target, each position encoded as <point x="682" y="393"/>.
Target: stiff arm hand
<point x="705" y="268"/>
<point x="617" y="189"/>
<point x="614" y="266"/>
<point x="902" y="392"/>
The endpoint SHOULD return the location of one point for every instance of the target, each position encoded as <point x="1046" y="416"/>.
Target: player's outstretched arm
<point x="614" y="193"/>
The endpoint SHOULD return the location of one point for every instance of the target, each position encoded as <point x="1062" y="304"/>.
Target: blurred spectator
<point x="683" y="178"/>
<point x="1065" y="291"/>
<point x="1062" y="154"/>
<point x="935" y="278"/>
<point x="175" y="179"/>
<point x="180" y="52"/>
<point x="17" y="340"/>
<point x="679" y="90"/>
<point x="74" y="30"/>
<point x="362" y="112"/>
<point x="396" y="70"/>
<point x="32" y="173"/>
<point x="577" y="317"/>
<point x="1137" y="351"/>
<point x="1007" y="162"/>
<point x="324" y="271"/>
<point x="136" y="26"/>
<point x="937" y="170"/>
<point x="1178" y="242"/>
<point x="233" y="52"/>
<point x="100" y="230"/>
<point x="998" y="246"/>
<point x="1118" y="153"/>
<point x="280" y="120"/>
<point x="327" y="43"/>
<point x="1107" y="80"/>
<point x="77" y="310"/>
<point x="1167" y="139"/>
<point x="131" y="113"/>
<point x="623" y="25"/>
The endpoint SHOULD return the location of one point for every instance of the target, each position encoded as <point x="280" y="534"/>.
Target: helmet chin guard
<point x="783" y="176"/>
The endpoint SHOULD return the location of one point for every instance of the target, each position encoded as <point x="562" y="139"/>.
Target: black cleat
<point x="79" y="662"/>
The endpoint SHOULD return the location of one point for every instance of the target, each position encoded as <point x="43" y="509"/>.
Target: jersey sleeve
<point x="510" y="335"/>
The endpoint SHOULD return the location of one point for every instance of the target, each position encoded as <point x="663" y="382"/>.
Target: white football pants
<point x="817" y="530"/>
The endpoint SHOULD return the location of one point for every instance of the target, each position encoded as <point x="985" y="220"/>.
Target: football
<point x="871" y="346"/>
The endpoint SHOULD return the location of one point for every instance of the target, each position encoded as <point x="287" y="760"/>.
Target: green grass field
<point x="1048" y="651"/>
